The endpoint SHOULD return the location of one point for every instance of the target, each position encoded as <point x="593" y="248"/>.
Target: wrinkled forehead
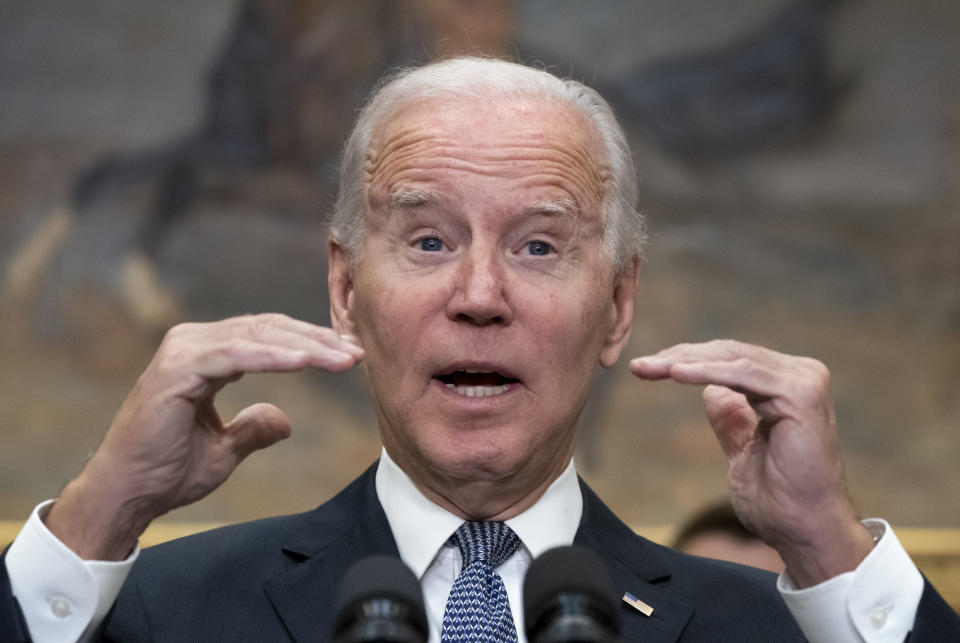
<point x="501" y="133"/>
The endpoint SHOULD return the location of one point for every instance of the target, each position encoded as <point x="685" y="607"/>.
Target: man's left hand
<point x="773" y="415"/>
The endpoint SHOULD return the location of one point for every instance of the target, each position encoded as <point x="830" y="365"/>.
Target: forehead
<point x="533" y="141"/>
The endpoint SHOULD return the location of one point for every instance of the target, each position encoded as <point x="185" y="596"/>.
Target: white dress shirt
<point x="877" y="602"/>
<point x="64" y="598"/>
<point x="422" y="528"/>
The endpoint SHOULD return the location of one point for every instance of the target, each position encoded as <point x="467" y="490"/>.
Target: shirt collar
<point x="421" y="527"/>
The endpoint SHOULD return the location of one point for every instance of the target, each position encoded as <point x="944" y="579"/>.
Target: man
<point x="483" y="259"/>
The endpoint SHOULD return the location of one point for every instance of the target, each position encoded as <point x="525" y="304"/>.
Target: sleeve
<point x="936" y="620"/>
<point x="61" y="596"/>
<point x="875" y="603"/>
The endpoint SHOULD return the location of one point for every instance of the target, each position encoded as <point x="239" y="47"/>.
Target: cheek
<point x="392" y="321"/>
<point x="576" y="320"/>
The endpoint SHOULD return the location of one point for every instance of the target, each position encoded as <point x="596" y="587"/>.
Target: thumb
<point x="731" y="416"/>
<point x="257" y="427"/>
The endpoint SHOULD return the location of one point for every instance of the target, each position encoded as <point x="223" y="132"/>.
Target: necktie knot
<point x="478" y="609"/>
<point x="489" y="543"/>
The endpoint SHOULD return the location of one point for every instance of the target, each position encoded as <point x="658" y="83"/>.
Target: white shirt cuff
<point x="62" y="597"/>
<point x="877" y="602"/>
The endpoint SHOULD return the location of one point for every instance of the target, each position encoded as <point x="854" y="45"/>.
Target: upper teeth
<point x="475" y="370"/>
<point x="478" y="391"/>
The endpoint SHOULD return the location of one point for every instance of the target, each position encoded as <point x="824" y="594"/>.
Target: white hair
<point x="623" y="226"/>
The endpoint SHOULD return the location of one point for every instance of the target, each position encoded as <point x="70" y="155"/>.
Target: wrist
<point x="95" y="522"/>
<point x="816" y="559"/>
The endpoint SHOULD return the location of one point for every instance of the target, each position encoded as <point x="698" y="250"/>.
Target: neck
<point x="485" y="500"/>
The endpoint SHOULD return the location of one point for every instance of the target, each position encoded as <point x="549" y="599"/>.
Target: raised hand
<point x="167" y="446"/>
<point x="773" y="415"/>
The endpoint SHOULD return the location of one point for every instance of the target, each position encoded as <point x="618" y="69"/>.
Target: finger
<point x="331" y="353"/>
<point x="324" y="346"/>
<point x="257" y="427"/>
<point x="657" y="366"/>
<point x="275" y="328"/>
<point x="717" y="349"/>
<point x="319" y="333"/>
<point x="241" y="356"/>
<point x="748" y="376"/>
<point x="744" y="375"/>
<point x="300" y="329"/>
<point x="730" y="415"/>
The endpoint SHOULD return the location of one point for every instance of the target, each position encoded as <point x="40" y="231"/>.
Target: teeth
<point x="475" y="370"/>
<point x="478" y="391"/>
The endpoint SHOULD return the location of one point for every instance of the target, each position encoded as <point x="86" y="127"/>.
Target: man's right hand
<point x="167" y="446"/>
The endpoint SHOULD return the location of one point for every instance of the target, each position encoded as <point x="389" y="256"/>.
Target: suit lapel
<point x="636" y="568"/>
<point x="349" y="527"/>
<point x="353" y="525"/>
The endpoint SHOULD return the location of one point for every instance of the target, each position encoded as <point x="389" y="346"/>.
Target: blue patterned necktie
<point x="478" y="609"/>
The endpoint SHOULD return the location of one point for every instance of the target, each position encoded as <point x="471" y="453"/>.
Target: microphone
<point x="568" y="597"/>
<point x="380" y="602"/>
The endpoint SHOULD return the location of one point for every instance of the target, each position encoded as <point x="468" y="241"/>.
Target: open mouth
<point x="471" y="382"/>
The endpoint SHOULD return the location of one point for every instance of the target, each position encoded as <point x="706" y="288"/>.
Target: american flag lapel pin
<point x="637" y="604"/>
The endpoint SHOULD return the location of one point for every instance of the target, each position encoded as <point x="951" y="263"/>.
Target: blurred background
<point x="175" y="161"/>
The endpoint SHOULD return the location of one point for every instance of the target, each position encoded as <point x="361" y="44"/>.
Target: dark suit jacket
<point x="275" y="580"/>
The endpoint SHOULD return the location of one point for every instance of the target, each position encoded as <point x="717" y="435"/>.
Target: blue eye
<point x="430" y="244"/>
<point x="539" y="248"/>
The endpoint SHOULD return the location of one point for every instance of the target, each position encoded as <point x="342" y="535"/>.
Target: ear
<point x="340" y="285"/>
<point x="621" y="313"/>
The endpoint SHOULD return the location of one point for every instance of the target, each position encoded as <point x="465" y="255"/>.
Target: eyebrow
<point x="409" y="198"/>
<point x="560" y="208"/>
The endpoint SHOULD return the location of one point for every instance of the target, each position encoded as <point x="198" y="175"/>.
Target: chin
<point x="474" y="460"/>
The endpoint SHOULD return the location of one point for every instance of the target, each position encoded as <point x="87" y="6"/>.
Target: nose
<point x="480" y="296"/>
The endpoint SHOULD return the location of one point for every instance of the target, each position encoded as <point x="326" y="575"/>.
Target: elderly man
<point x="483" y="260"/>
